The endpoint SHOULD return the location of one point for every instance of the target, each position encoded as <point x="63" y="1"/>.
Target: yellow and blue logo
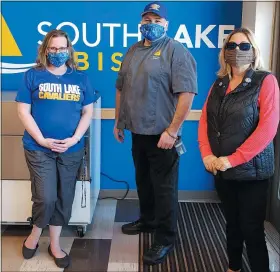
<point x="157" y="53"/>
<point x="155" y="6"/>
<point x="10" y="49"/>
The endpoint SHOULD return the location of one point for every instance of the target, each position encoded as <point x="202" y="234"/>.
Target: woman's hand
<point x="208" y="163"/>
<point x="48" y="142"/>
<point x="61" y="146"/>
<point x="222" y="164"/>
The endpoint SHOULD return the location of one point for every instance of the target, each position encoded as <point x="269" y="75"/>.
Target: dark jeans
<point x="244" y="204"/>
<point x="157" y="184"/>
<point x="53" y="183"/>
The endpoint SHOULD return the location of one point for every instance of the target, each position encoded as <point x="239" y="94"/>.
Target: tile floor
<point x="103" y="248"/>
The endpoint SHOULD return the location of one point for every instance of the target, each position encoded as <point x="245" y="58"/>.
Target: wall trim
<point x="183" y="195"/>
<point x="103" y="113"/>
<point x="109" y="114"/>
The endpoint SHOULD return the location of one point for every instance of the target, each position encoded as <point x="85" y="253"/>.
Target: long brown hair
<point x="225" y="68"/>
<point x="42" y="61"/>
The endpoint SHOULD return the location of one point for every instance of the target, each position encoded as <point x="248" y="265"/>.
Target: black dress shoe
<point x="136" y="228"/>
<point x="28" y="253"/>
<point x="157" y="254"/>
<point x="60" y="262"/>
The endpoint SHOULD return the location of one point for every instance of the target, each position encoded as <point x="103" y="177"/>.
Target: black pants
<point x="53" y="182"/>
<point x="157" y="184"/>
<point x="244" y="205"/>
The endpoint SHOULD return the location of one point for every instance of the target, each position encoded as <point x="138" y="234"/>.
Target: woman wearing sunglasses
<point x="238" y="123"/>
<point x="55" y="105"/>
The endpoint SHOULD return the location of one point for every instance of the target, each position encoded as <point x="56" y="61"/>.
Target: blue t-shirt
<point x="56" y="104"/>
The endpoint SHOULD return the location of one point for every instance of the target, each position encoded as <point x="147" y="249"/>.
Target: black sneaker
<point x="157" y="253"/>
<point x="28" y="253"/>
<point x="136" y="228"/>
<point x="60" y="262"/>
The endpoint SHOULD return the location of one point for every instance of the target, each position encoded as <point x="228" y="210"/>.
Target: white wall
<point x="249" y="15"/>
<point x="264" y="30"/>
<point x="259" y="17"/>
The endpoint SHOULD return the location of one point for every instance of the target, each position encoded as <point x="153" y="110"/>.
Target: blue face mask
<point x="58" y="59"/>
<point x="152" y="32"/>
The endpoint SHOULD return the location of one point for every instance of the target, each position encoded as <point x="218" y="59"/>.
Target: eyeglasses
<point x="60" y="49"/>
<point x="244" y="46"/>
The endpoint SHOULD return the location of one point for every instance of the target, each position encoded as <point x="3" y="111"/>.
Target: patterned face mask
<point x="239" y="58"/>
<point x="58" y="59"/>
<point x="152" y="32"/>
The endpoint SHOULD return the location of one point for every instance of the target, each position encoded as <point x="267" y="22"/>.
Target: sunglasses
<point x="244" y="46"/>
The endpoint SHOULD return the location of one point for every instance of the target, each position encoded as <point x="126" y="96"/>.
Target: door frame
<point x="273" y="203"/>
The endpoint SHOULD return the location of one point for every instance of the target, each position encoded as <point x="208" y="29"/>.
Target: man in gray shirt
<point x="155" y="89"/>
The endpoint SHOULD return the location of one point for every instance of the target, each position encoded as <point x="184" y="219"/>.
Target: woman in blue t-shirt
<point x="55" y="105"/>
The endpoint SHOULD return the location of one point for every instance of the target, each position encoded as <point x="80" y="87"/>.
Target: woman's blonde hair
<point x="225" y="68"/>
<point x="42" y="60"/>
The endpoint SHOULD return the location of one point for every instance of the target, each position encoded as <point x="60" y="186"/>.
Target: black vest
<point x="231" y="119"/>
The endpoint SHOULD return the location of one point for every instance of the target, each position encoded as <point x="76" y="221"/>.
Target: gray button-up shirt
<point x="150" y="80"/>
